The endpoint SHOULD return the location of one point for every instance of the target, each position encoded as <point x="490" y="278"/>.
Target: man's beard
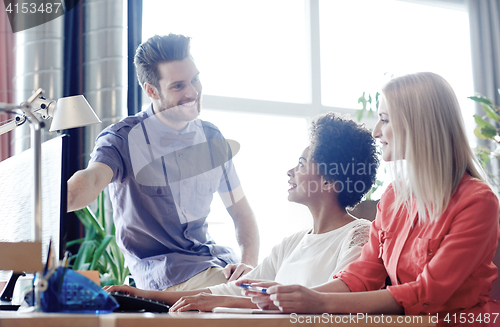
<point x="178" y="113"/>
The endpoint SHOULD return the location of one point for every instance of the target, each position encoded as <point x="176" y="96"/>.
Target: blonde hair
<point x="429" y="134"/>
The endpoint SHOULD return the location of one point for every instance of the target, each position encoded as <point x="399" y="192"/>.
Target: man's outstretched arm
<point x="86" y="184"/>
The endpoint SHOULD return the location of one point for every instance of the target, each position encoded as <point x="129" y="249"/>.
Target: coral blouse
<point x="444" y="267"/>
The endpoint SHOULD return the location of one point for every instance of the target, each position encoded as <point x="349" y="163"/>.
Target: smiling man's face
<point x="180" y="91"/>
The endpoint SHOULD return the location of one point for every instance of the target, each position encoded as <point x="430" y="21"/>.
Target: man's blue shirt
<point x="161" y="193"/>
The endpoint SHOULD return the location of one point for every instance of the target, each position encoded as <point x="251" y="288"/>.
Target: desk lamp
<point x="68" y="113"/>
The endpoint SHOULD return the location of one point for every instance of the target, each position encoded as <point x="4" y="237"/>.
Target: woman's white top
<point x="308" y="259"/>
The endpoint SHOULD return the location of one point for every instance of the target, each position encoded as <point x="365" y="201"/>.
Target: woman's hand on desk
<point x="297" y="298"/>
<point x="202" y="302"/>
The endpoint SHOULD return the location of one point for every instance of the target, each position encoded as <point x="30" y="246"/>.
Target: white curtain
<point x="484" y="17"/>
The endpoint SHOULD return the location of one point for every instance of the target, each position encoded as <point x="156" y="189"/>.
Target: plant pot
<point x="93" y="275"/>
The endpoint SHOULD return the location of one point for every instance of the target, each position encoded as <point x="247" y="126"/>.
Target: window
<point x="363" y="42"/>
<point x="243" y="49"/>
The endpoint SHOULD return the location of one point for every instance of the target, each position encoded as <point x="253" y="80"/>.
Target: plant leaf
<point x="101" y="268"/>
<point x="98" y="227"/>
<point x="362" y="100"/>
<point x="84" y="216"/>
<point x="482" y="150"/>
<point x="480" y="121"/>
<point x="117" y="255"/>
<point x="99" y="251"/>
<point x="489" y="131"/>
<point x="86" y="248"/>
<point x="483" y="159"/>
<point x="114" y="268"/>
<point x="101" y="209"/>
<point x="477" y="133"/>
<point x="481" y="99"/>
<point x="88" y="219"/>
<point x="90" y="235"/>
<point x="85" y="266"/>
<point x="490" y="112"/>
<point x="78" y="241"/>
<point x="124" y="275"/>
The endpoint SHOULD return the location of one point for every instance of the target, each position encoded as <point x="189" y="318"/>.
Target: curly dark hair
<point x="346" y="155"/>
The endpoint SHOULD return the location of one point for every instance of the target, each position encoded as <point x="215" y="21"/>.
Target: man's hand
<point x="85" y="185"/>
<point x="234" y="271"/>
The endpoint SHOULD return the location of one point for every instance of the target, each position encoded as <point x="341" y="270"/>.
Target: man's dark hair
<point x="346" y="155"/>
<point x="156" y="50"/>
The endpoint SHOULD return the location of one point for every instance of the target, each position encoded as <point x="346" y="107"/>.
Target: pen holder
<point x="70" y="292"/>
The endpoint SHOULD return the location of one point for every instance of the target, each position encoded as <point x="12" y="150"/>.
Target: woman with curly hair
<point x="332" y="174"/>
<point x="436" y="228"/>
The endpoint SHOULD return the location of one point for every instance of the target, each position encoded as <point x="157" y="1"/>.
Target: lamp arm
<point x="9" y="106"/>
<point x="16" y="122"/>
<point x="43" y="107"/>
<point x="36" y="145"/>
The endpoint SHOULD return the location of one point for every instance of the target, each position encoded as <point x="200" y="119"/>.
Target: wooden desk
<point x="187" y="319"/>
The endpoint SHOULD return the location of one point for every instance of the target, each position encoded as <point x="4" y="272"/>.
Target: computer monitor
<point x="16" y="197"/>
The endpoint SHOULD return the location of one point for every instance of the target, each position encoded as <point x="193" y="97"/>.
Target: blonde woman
<point x="436" y="229"/>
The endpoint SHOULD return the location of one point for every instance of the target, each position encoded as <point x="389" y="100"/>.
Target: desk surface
<point x="185" y="319"/>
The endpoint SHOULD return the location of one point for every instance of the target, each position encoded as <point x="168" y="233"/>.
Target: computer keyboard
<point x="131" y="303"/>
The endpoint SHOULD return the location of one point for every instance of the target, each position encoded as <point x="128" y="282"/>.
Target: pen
<point x="66" y="259"/>
<point x="254" y="288"/>
<point x="64" y="265"/>
<point x="46" y="268"/>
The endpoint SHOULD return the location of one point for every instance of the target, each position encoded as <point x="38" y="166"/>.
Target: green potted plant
<point x="487" y="131"/>
<point x="98" y="249"/>
<point x="367" y="208"/>
<point x="370" y="107"/>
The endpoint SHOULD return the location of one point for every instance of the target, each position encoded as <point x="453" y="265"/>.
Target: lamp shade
<point x="71" y="112"/>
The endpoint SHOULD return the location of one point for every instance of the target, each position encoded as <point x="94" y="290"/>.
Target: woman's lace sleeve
<point x="360" y="235"/>
<point x="353" y="244"/>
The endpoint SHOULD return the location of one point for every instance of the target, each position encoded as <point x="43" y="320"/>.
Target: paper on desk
<point x="243" y="310"/>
